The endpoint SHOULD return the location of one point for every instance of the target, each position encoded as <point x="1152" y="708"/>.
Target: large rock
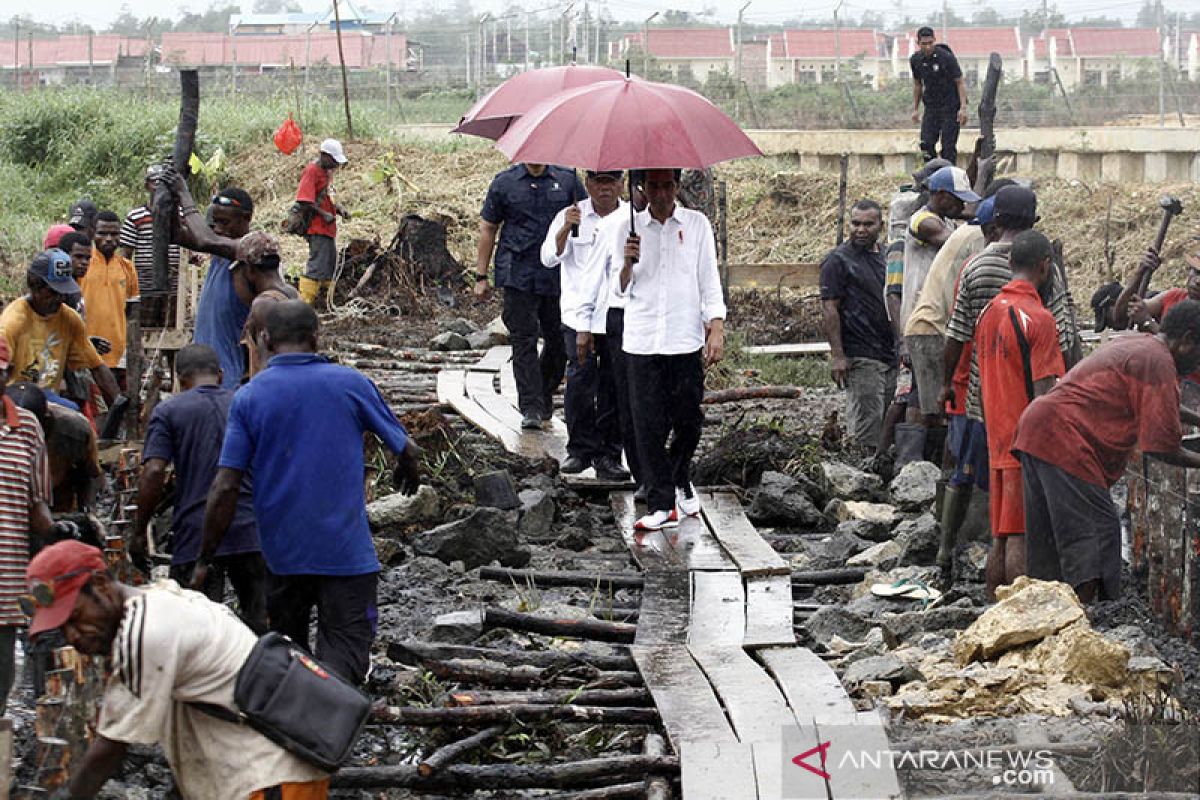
<point x="918" y="539"/>
<point x="886" y="667"/>
<point x="496" y="489"/>
<point x="400" y="510"/>
<point x="485" y="339"/>
<point x="1028" y="611"/>
<point x="830" y="621"/>
<point x="449" y="341"/>
<point x="848" y="483"/>
<point x="463" y="327"/>
<point x="875" y="513"/>
<point x="914" y="488"/>
<point x="1079" y="654"/>
<point x="457" y="627"/>
<point x="537" y="513"/>
<point x="783" y="500"/>
<point x="883" y="555"/>
<point x="910" y="626"/>
<point x="873" y="530"/>
<point x="487" y="535"/>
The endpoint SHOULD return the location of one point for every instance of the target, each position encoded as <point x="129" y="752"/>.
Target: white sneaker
<point x="687" y="501"/>
<point x="657" y="520"/>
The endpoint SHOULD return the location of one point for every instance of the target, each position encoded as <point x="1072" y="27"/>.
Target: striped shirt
<point x="137" y="236"/>
<point x="24" y="481"/>
<point x="982" y="279"/>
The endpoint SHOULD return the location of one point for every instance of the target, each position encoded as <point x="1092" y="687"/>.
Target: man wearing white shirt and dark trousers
<point x="674" y="327"/>
<point x="593" y="431"/>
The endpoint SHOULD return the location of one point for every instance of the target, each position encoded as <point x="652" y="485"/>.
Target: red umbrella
<point x="628" y="124"/>
<point x="500" y="107"/>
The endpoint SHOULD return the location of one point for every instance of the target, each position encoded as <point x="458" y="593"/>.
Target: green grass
<point x="741" y="368"/>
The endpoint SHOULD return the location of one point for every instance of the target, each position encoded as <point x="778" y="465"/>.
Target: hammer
<point x="1171" y="208"/>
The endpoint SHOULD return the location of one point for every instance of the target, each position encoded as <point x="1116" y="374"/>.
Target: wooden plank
<point x="869" y="736"/>
<point x="769" y="611"/>
<point x="685" y="700"/>
<point x="739" y="537"/>
<point x="718" y="614"/>
<point x="508" y="383"/>
<point x="650" y="550"/>
<point x="665" y="611"/>
<point x="773" y="276"/>
<point x="451" y="390"/>
<point x="532" y="444"/>
<point x="697" y="546"/>
<point x="6" y="755"/>
<point x="717" y="771"/>
<point x="769" y="768"/>
<point x="451" y="386"/>
<point x="809" y="684"/>
<point x="753" y="702"/>
<point x="494" y="359"/>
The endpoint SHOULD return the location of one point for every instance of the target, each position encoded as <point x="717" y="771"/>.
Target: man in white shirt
<point x="674" y="327"/>
<point x="167" y="648"/>
<point x="589" y="401"/>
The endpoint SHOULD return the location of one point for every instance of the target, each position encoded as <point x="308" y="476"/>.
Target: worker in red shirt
<point x="1147" y="313"/>
<point x="1019" y="359"/>
<point x="314" y="194"/>
<point x="1075" y="441"/>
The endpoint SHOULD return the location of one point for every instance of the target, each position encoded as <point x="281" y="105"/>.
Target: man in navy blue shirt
<point x="520" y="205"/>
<point x="298" y="428"/>
<point x="186" y="431"/>
<point x="937" y="82"/>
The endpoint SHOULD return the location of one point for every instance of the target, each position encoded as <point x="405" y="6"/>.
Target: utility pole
<point x="837" y="44"/>
<point x="1162" y="72"/>
<point x="526" y="41"/>
<point x="737" y="64"/>
<point x="945" y="18"/>
<point x="646" y="45"/>
<point x="387" y="70"/>
<point x="337" y="21"/>
<point x="307" y="58"/>
<point x="1045" y="17"/>
<point x="467" y="54"/>
<point x="568" y="37"/>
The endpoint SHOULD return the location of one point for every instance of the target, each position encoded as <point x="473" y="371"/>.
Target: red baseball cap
<point x="55" y="577"/>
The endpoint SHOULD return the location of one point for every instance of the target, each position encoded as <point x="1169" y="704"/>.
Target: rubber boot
<point x="309" y="289"/>
<point x="910" y="444"/>
<point x="935" y="444"/>
<point x="326" y="288"/>
<point x="955" y="503"/>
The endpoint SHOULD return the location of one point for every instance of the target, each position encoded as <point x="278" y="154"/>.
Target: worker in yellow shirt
<point x="111" y="280"/>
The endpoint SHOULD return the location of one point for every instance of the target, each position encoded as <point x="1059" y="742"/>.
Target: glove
<point x="103" y="346"/>
<point x="408" y="473"/>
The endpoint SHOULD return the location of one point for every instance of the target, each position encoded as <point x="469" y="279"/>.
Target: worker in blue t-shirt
<point x="298" y="428"/>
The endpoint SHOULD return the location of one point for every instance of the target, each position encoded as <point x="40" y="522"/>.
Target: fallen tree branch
<point x="824" y="577"/>
<point x="584" y="697"/>
<point x="752" y="393"/>
<point x="489" y="673"/>
<point x="658" y="787"/>
<point x="447" y="755"/>
<point x="511" y="776"/>
<point x="586" y="580"/>
<point x="578" y="628"/>
<point x="469" y="716"/>
<point x="413" y="652"/>
<point x="621" y="791"/>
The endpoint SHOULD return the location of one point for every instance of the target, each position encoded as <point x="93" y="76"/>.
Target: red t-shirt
<point x="961" y="381"/>
<point x="315" y="180"/>
<point x="1123" y="397"/>
<point x="1007" y="370"/>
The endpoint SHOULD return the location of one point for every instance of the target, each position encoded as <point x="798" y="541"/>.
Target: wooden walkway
<point x="715" y="642"/>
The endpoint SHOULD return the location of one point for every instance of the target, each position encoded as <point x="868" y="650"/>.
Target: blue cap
<point x="985" y="212"/>
<point x="54" y="267"/>
<point x="953" y="180"/>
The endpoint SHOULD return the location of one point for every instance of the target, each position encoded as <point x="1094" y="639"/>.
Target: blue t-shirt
<point x="220" y="317"/>
<point x="524" y="206"/>
<point x="298" y="427"/>
<point x="187" y="431"/>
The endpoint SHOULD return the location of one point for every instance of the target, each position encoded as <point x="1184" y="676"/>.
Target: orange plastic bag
<point x="288" y="136"/>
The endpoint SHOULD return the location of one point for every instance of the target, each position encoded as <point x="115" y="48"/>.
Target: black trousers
<point x="940" y="123"/>
<point x="347" y="617"/>
<point x="666" y="392"/>
<point x="247" y="573"/>
<point x="614" y="337"/>
<point x="528" y="316"/>
<point x="589" y="401"/>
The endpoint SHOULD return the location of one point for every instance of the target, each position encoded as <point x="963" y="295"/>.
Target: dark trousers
<point x="528" y="316"/>
<point x="940" y="123"/>
<point x="614" y="336"/>
<point x="8" y="663"/>
<point x="667" y="392"/>
<point x="347" y="617"/>
<point x="589" y="401"/>
<point x="247" y="573"/>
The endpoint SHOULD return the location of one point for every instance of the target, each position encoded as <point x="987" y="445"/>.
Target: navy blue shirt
<point x="220" y="317"/>
<point x="855" y="277"/>
<point x="187" y="431"/>
<point x="938" y="73"/>
<point x="523" y="206"/>
<point x="298" y="428"/>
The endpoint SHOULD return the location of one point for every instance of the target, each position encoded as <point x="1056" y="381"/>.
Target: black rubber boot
<point x="955" y="503"/>
<point x="910" y="444"/>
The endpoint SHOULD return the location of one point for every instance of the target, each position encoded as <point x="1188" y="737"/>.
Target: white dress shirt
<point x="675" y="287"/>
<point x="575" y="261"/>
<point x="603" y="270"/>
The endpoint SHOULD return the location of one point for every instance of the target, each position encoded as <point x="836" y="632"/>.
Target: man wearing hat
<point x="137" y="244"/>
<point x="167" y="650"/>
<point x="905" y="202"/>
<point x="82" y="217"/>
<point x="589" y="400"/>
<point x="46" y="337"/>
<point x="314" y="193"/>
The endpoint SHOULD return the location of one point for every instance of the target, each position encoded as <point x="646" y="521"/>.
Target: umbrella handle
<point x="632" y="221"/>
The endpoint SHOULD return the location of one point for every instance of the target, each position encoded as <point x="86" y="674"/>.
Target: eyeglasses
<point x="229" y="202"/>
<point x="41" y="593"/>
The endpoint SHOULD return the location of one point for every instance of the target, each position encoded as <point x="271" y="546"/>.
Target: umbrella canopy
<point x="502" y="106"/>
<point x="627" y="124"/>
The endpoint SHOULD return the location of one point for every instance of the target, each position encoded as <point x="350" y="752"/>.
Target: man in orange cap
<point x="167" y="650"/>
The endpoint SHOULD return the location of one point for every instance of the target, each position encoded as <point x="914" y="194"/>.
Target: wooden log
<point x="489" y="673"/>
<point x="577" y="628"/>
<point x="752" y="393"/>
<point x="444" y="756"/>
<point x="163" y="202"/>
<point x="825" y="577"/>
<point x="414" y="652"/>
<point x="584" y="697"/>
<point x="658" y="787"/>
<point x="621" y="791"/>
<point x="586" y="580"/>
<point x="474" y="716"/>
<point x="575" y="774"/>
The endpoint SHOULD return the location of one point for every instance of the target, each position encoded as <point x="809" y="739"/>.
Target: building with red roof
<point x="50" y="61"/>
<point x="811" y="55"/>
<point x="692" y="53"/>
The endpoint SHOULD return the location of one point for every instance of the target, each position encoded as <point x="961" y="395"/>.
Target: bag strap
<point x="220" y="712"/>
<point x="1026" y="352"/>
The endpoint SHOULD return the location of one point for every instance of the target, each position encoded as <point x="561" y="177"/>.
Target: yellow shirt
<point x="106" y="287"/>
<point x="936" y="300"/>
<point x="43" y="347"/>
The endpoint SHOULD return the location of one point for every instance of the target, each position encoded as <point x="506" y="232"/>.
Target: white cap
<point x="334" y="148"/>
